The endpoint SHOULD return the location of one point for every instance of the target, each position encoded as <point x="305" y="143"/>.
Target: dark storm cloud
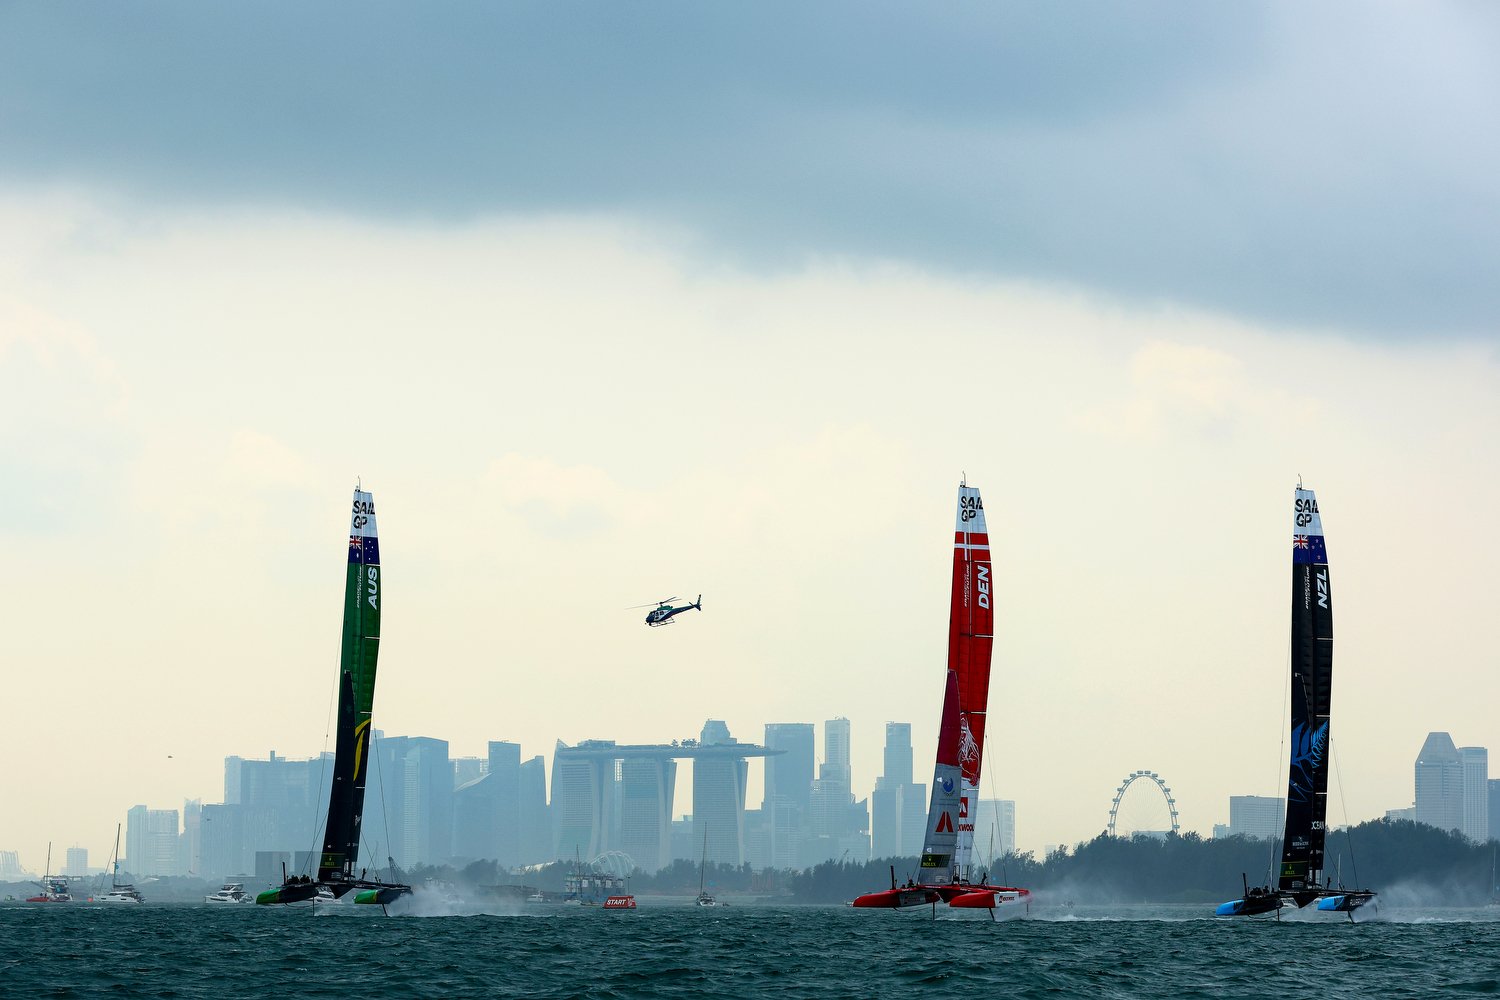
<point x="1251" y="158"/>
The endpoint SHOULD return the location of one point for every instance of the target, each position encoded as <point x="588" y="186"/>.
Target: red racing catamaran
<point x="946" y="865"/>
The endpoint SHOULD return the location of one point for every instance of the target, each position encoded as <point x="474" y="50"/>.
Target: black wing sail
<point x="1312" y="690"/>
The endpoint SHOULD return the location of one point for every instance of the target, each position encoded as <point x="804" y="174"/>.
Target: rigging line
<point x="319" y="817"/>
<point x="385" y="813"/>
<point x="1344" y="808"/>
<point x="1286" y="709"/>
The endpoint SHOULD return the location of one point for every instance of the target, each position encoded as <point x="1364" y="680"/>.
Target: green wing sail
<point x="363" y="597"/>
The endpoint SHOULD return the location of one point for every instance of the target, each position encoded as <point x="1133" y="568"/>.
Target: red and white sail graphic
<point x="944" y="814"/>
<point x="971" y="638"/>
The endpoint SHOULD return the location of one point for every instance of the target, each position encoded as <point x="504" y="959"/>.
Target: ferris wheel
<point x="1130" y="779"/>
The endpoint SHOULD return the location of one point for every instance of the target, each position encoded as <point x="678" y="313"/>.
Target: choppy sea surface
<point x="749" y="951"/>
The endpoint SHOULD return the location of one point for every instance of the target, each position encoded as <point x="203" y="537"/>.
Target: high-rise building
<point x="1494" y="808"/>
<point x="887" y="825"/>
<point x="534" y="819"/>
<point x="836" y="752"/>
<point x="190" y="842"/>
<point x="503" y="765"/>
<point x="151" y="842"/>
<point x="839" y="826"/>
<point x="608" y="796"/>
<point x="719" y="797"/>
<point x="427" y="814"/>
<point x="1439" y="773"/>
<point x="647" y="786"/>
<point x="78" y="862"/>
<point x="788" y="796"/>
<point x="913" y="809"/>
<point x="1258" y="816"/>
<point x="288" y="798"/>
<point x="898" y="761"/>
<point x="582" y="797"/>
<point x="994" y="830"/>
<point x="1476" y="808"/>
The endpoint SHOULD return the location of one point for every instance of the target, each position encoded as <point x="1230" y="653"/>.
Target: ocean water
<point x="661" y="950"/>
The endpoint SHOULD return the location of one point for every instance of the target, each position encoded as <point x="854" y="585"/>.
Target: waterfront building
<point x="150" y="842"/>
<point x="719" y="797"/>
<point x="1493" y="801"/>
<point x="886" y="819"/>
<point x="534" y="819"/>
<point x="77" y="864"/>
<point x="619" y="797"/>
<point x="1476" y="807"/>
<point x="1439" y="775"/>
<point x="427" y="809"/>
<point x="1258" y="816"/>
<point x="788" y="791"/>
<point x="994" y="830"/>
<point x="648" y="783"/>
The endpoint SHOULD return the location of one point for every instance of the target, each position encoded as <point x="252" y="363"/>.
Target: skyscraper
<point x="534" y="819"/>
<point x="1440" y="783"/>
<point x="1259" y="816"/>
<point x="78" y="862"/>
<point x="1476" y="808"/>
<point x="886" y="820"/>
<point x="719" y="797"/>
<point x="994" y="830"/>
<point x="647" y="786"/>
<point x="503" y="770"/>
<point x="788" y="797"/>
<point x="427" y="816"/>
<point x="151" y="842"/>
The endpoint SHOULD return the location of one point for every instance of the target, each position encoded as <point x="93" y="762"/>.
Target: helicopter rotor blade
<point x="653" y="604"/>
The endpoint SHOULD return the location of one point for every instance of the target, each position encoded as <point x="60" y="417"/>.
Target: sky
<point x="606" y="303"/>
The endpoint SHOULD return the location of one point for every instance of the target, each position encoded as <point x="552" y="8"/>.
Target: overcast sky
<point x="606" y="303"/>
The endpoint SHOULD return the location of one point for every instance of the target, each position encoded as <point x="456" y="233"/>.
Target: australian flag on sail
<point x="365" y="551"/>
<point x="1307" y="550"/>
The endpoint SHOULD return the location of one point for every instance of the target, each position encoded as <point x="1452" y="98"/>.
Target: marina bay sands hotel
<point x="618" y="797"/>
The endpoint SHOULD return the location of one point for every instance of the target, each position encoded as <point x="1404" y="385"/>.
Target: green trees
<point x="1422" y="863"/>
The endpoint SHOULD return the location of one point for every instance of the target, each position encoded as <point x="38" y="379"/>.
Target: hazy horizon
<point x="605" y="304"/>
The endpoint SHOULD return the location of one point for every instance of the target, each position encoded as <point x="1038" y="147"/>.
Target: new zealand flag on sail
<point x="1308" y="550"/>
<point x="365" y="551"/>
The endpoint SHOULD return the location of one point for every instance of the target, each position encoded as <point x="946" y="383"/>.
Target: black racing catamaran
<point x="1302" y="877"/>
<point x="351" y="758"/>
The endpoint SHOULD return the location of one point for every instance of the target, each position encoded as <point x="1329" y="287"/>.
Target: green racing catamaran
<point x="363" y="597"/>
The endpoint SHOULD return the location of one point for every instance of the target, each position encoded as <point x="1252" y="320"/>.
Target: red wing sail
<point x="971" y="637"/>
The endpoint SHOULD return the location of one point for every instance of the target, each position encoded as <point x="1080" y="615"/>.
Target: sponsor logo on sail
<point x="982" y="583"/>
<point x="373" y="586"/>
<point x="945" y="823"/>
<point x="1323" y="589"/>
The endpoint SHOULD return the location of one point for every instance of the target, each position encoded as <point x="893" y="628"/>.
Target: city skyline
<point x="1451" y="790"/>
<point x="676" y="323"/>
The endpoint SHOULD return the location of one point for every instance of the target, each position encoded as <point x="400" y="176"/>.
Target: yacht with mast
<point x="946" y="866"/>
<point x="1302" y="878"/>
<point x="54" y="888"/>
<point x="120" y="892"/>
<point x="363" y="602"/>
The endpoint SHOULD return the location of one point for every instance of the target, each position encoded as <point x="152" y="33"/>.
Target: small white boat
<point x="232" y="892"/>
<point x="119" y="894"/>
<point x="125" y="894"/>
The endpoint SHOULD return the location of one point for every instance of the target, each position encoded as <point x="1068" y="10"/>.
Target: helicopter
<point x="663" y="613"/>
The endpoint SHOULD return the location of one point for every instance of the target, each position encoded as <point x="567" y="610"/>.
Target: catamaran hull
<point x="300" y="893"/>
<point x="1347" y="902"/>
<point x="1249" y="907"/>
<point x="895" y="899"/>
<point x="986" y="897"/>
